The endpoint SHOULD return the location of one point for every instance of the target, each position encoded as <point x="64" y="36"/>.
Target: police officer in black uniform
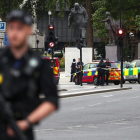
<point x="108" y="65"/>
<point x="78" y="67"/>
<point x="101" y="72"/>
<point x="23" y="75"/>
<point x="73" y="69"/>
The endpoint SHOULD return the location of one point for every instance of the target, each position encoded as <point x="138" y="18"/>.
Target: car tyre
<point x="116" y="82"/>
<point x="76" y="81"/>
<point x="139" y="79"/>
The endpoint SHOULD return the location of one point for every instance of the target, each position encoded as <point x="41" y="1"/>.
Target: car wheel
<point x="95" y="80"/>
<point x="76" y="80"/>
<point x="116" y="82"/>
<point x="139" y="79"/>
<point x="132" y="82"/>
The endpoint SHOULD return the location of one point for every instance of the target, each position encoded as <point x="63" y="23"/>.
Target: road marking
<point x="92" y="126"/>
<point x="78" y="108"/>
<point x="114" y="100"/>
<point x="134" y="97"/>
<point x="95" y="104"/>
<point x="43" y="130"/>
<point x="108" y="96"/>
<point x="129" y="127"/>
<point x="115" y="121"/>
<point x="78" y="126"/>
<point x="119" y="123"/>
<point x="136" y="117"/>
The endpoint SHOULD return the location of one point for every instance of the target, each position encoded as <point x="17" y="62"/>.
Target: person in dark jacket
<point x="108" y="65"/>
<point x="73" y="69"/>
<point x="24" y="74"/>
<point x="101" y="72"/>
<point x="78" y="67"/>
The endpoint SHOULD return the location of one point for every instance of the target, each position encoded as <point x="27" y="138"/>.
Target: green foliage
<point x="59" y="55"/>
<point x="4" y="7"/>
<point x="130" y="15"/>
<point x="137" y="21"/>
<point x="99" y="14"/>
<point x="62" y="62"/>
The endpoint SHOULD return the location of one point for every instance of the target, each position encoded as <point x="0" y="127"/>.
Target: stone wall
<point x="73" y="52"/>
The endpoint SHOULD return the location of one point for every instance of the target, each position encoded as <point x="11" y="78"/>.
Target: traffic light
<point x="52" y="39"/>
<point x="80" y="43"/>
<point x="120" y="37"/>
<point x="56" y="40"/>
<point x="51" y="36"/>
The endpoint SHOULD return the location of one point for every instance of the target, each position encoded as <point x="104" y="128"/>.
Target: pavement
<point x="105" y="116"/>
<point x="69" y="89"/>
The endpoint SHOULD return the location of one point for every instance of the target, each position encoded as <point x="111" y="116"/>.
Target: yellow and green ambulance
<point x="132" y="72"/>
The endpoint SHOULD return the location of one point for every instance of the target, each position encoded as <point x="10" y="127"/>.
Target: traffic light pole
<point x="122" y="66"/>
<point x="52" y="52"/>
<point x="121" y="46"/>
<point x="81" y="69"/>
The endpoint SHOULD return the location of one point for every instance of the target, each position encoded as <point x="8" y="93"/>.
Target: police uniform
<point x="78" y="71"/>
<point x="107" y="71"/>
<point x="21" y="82"/>
<point x="101" y="72"/>
<point x="73" y="70"/>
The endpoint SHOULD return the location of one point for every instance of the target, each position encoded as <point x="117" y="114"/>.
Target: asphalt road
<point x="107" y="116"/>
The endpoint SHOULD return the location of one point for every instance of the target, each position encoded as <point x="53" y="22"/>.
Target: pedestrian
<point x="49" y="50"/>
<point x="78" y="69"/>
<point x="73" y="69"/>
<point x="24" y="75"/>
<point x="108" y="65"/>
<point x="101" y="73"/>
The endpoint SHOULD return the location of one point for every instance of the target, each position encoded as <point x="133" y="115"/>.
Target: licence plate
<point x="131" y="77"/>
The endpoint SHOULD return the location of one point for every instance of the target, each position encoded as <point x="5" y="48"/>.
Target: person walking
<point x="101" y="73"/>
<point x="78" y="68"/>
<point x="23" y="75"/>
<point x="108" y="65"/>
<point x="73" y="69"/>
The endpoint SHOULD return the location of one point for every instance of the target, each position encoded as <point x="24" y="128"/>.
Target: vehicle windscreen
<point x="132" y="64"/>
<point x="114" y="65"/>
<point x="93" y="65"/>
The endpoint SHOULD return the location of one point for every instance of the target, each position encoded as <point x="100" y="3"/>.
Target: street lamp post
<point x="131" y="35"/>
<point x="49" y="13"/>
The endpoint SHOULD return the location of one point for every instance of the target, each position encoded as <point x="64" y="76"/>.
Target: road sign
<point x="51" y="44"/>
<point x="6" y="40"/>
<point x="2" y="26"/>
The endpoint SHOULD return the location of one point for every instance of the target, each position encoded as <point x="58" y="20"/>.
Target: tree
<point x="89" y="25"/>
<point x="42" y="6"/>
<point x="4" y="7"/>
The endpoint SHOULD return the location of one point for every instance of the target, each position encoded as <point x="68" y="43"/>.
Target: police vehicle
<point x="90" y="73"/>
<point x="54" y="63"/>
<point x="132" y="72"/>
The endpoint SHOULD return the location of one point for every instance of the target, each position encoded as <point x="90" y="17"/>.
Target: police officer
<point x="78" y="68"/>
<point x="73" y="69"/>
<point x="24" y="75"/>
<point x="101" y="72"/>
<point x="108" y="65"/>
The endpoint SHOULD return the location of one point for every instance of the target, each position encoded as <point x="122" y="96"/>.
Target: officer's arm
<point x="48" y="87"/>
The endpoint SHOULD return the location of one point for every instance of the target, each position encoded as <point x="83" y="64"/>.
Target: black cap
<point x="21" y="16"/>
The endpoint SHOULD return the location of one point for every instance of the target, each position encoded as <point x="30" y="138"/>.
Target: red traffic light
<point x="51" y="27"/>
<point x="120" y="32"/>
